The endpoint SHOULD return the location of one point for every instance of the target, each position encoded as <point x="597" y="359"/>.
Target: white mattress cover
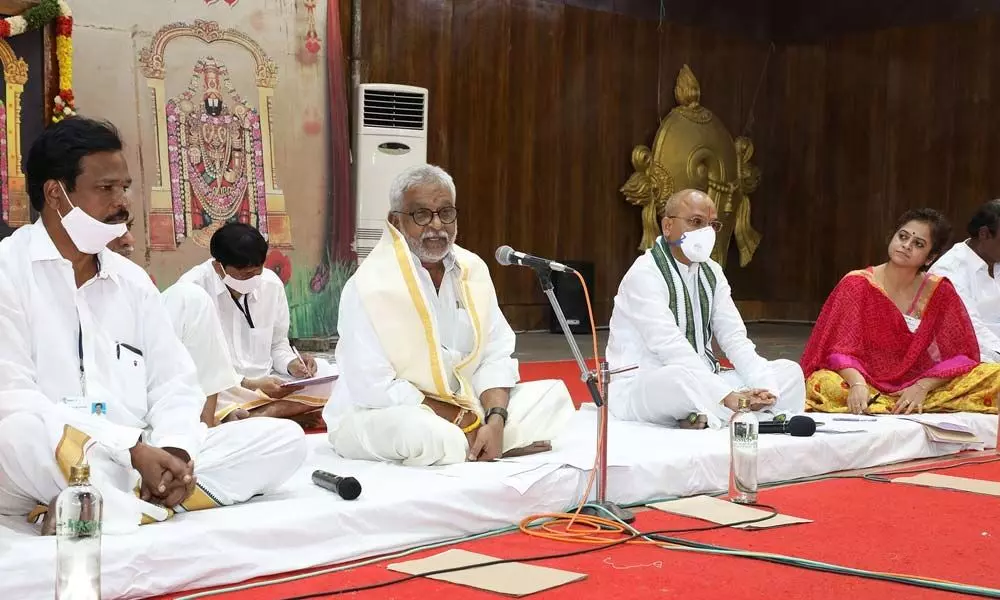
<point x="304" y="526"/>
<point x="647" y="462"/>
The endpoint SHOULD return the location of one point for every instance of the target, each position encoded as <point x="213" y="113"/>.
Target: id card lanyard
<point x="83" y="369"/>
<point x="245" y="309"/>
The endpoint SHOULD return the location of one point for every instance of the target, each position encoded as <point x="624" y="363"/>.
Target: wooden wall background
<point x="854" y="131"/>
<point x="534" y="109"/>
<point x="535" y="106"/>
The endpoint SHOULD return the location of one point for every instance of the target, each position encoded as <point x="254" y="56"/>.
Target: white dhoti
<point x="415" y="436"/>
<point x="196" y="323"/>
<point x="669" y="394"/>
<point x="236" y="462"/>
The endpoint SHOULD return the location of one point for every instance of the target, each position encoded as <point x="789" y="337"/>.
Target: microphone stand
<point x="601" y="506"/>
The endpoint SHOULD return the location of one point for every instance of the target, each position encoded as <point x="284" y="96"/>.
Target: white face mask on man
<point x="697" y="245"/>
<point x="89" y="235"/>
<point x="241" y="286"/>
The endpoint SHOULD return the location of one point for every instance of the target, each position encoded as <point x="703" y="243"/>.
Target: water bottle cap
<point x="79" y="472"/>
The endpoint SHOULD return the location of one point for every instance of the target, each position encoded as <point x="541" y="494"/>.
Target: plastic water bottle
<point x="743" y="454"/>
<point x="79" y="509"/>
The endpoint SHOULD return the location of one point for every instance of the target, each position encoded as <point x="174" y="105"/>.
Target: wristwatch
<point x="496" y="410"/>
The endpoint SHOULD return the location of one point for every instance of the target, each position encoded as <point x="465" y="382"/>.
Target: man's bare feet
<point x="281" y="409"/>
<point x="533" y="448"/>
<point x="49" y="520"/>
<point x="237" y="415"/>
<point x="700" y="422"/>
<point x="309" y="420"/>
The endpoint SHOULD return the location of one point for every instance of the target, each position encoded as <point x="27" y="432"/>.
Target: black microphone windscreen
<point x="349" y="488"/>
<point x="801" y="426"/>
<point x="503" y="255"/>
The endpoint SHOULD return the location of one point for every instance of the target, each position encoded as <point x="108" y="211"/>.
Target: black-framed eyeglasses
<point x="698" y="222"/>
<point x="424" y="216"/>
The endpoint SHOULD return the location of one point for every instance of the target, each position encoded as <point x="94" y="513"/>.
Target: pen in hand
<point x="309" y="372"/>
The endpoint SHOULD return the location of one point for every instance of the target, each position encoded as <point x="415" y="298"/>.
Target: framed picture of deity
<point x="212" y="101"/>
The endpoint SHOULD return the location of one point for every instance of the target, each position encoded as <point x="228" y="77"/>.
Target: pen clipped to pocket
<point x="122" y="345"/>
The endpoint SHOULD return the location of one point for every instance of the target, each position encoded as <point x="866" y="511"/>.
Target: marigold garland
<point x="36" y="17"/>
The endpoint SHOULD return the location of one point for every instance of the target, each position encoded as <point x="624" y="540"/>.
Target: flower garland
<point x="36" y="17"/>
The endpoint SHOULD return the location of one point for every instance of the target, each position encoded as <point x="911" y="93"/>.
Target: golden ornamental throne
<point x="693" y="149"/>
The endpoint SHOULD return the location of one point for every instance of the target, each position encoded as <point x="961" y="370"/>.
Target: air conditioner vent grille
<point x="393" y="109"/>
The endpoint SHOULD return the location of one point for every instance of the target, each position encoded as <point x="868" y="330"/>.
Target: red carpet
<point x="875" y="526"/>
<point x="567" y="370"/>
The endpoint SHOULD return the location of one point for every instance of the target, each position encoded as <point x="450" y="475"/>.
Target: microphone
<point x="797" y="426"/>
<point x="507" y="256"/>
<point x="347" y="488"/>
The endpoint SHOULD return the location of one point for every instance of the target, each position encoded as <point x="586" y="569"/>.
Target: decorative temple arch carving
<point x="693" y="149"/>
<point x="167" y="227"/>
<point x="13" y="194"/>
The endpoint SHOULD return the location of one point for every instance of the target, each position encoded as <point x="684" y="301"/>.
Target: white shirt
<point x="118" y="314"/>
<point x="645" y="333"/>
<point x="257" y="350"/>
<point x="367" y="378"/>
<point x="979" y="292"/>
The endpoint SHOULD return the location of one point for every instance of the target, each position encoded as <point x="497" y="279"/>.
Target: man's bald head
<point x="677" y="200"/>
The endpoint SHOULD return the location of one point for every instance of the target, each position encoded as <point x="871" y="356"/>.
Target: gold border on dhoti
<point x="37" y="513"/>
<point x="313" y="401"/>
<point x="70" y="449"/>
<point x="249" y="405"/>
<point x="199" y="500"/>
<point x="148" y="519"/>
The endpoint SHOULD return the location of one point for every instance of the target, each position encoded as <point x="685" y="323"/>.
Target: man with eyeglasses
<point x="671" y="305"/>
<point x="426" y="373"/>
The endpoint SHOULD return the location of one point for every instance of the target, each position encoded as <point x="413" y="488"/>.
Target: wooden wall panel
<point x="861" y="128"/>
<point x="799" y="21"/>
<point x="536" y="105"/>
<point x="788" y="208"/>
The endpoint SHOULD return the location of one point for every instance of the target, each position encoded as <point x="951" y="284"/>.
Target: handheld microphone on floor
<point x="507" y="256"/>
<point x="797" y="426"/>
<point x="347" y="488"/>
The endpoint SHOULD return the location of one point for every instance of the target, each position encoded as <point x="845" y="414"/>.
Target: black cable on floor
<point x="884" y="476"/>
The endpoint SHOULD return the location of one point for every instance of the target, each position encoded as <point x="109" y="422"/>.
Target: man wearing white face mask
<point x="90" y="368"/>
<point x="671" y="304"/>
<point x="252" y="307"/>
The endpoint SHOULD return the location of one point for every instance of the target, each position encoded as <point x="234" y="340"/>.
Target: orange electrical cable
<point x="576" y="527"/>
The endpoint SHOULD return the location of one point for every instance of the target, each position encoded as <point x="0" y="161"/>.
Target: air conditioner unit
<point x="390" y="136"/>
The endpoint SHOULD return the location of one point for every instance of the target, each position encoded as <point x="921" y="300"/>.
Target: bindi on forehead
<point x="914" y="235"/>
<point x="432" y="199"/>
